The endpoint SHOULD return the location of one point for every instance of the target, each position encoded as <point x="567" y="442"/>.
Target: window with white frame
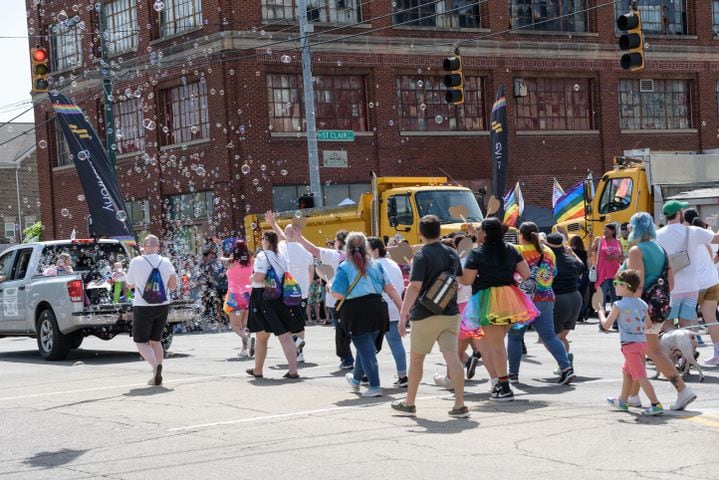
<point x="190" y="206"/>
<point x="10" y="228"/>
<point x="65" y="46"/>
<point x="443" y="14"/>
<point x="129" y="131"/>
<point x="549" y="15"/>
<point x="62" y="149"/>
<point x="121" y="21"/>
<point x="184" y="112"/>
<point x="663" y="17"/>
<point x="323" y="11"/>
<point x="557" y="104"/>
<point x="656" y="105"/>
<point x="30" y="220"/>
<point x="180" y="15"/>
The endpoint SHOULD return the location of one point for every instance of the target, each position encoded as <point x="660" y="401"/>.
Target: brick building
<point x="19" y="199"/>
<point x="208" y="97"/>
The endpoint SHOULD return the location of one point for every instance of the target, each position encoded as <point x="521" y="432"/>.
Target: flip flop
<point x="289" y="375"/>
<point x="251" y="371"/>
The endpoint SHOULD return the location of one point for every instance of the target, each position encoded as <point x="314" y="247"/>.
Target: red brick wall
<point x="534" y="159"/>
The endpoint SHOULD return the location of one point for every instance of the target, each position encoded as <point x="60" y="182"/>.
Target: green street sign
<point x="335" y="136"/>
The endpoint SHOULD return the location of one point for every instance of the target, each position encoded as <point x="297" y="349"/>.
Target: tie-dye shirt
<point x="544" y="273"/>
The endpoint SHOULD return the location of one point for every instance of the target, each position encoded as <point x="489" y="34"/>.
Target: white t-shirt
<point x="707" y="271"/>
<point x="263" y="260"/>
<point x="465" y="291"/>
<point x="395" y="278"/>
<point x="673" y="239"/>
<point x="139" y="272"/>
<point x="298" y="261"/>
<point x="332" y="258"/>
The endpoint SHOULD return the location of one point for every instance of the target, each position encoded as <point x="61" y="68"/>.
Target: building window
<point x="431" y="13"/>
<point x="285" y="197"/>
<point x="10" y="229"/>
<point x="66" y="47"/>
<point x="129" y="130"/>
<point x="62" y="149"/>
<point x="340" y="102"/>
<point x="138" y="212"/>
<point x="421" y="105"/>
<point x="121" y="21"/>
<point x="543" y="15"/>
<point x="663" y="17"/>
<point x="30" y="220"/>
<point x="715" y="15"/>
<point x="184" y="112"/>
<point x="657" y="105"/>
<point x="190" y="206"/>
<point x="324" y="11"/>
<point x="180" y="15"/>
<point x="557" y="104"/>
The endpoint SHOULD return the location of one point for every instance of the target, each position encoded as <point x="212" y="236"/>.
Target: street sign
<point x="335" y="136"/>
<point x="335" y="158"/>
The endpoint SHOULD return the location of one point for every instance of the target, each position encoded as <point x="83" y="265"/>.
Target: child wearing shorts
<point x="632" y="317"/>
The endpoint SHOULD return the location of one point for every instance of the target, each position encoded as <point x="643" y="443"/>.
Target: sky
<point x="14" y="61"/>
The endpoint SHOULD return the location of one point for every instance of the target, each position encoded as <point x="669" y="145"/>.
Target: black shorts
<point x="148" y="323"/>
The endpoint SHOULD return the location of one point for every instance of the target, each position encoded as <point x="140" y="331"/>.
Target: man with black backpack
<point x="430" y="301"/>
<point x="153" y="278"/>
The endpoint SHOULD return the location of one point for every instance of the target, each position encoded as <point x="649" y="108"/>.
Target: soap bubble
<point x="245" y="169"/>
<point x="64" y="212"/>
<point x="121" y="216"/>
<point x="438" y="119"/>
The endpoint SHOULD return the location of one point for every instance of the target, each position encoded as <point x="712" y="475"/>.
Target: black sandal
<point x="289" y="375"/>
<point x="251" y="371"/>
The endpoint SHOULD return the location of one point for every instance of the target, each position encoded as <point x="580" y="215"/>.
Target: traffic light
<point x="306" y="201"/>
<point x="40" y="70"/>
<point x="631" y="41"/>
<point x="454" y="80"/>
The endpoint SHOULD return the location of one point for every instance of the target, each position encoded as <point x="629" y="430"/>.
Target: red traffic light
<point x="39" y="55"/>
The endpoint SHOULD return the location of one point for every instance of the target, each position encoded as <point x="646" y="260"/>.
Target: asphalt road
<point x="92" y="416"/>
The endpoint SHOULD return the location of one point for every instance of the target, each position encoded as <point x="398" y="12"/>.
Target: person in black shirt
<point x="567" y="299"/>
<point x="428" y="327"/>
<point x="584" y="284"/>
<point x="496" y="302"/>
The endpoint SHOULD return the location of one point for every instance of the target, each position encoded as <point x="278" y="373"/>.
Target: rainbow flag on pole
<point x="570" y="205"/>
<point x="513" y="206"/>
<point x="557" y="192"/>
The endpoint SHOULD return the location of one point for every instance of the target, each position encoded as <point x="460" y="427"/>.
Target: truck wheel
<point x="166" y="340"/>
<point x="51" y="342"/>
<point x="76" y="339"/>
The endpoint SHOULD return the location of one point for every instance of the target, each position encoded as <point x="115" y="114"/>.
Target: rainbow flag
<point x="513" y="206"/>
<point x="571" y="204"/>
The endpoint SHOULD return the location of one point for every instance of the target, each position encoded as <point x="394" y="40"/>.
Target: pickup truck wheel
<point x="76" y="339"/>
<point x="51" y="342"/>
<point x="166" y="340"/>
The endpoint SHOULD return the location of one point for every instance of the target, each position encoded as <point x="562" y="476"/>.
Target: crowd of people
<point x="471" y="293"/>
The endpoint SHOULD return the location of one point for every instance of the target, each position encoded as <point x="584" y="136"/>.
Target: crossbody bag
<point x="680" y="260"/>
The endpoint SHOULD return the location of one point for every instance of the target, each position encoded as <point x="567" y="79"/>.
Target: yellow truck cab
<point x="641" y="181"/>
<point x="393" y="208"/>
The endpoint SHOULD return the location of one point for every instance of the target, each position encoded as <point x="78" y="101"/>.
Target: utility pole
<point x="310" y="117"/>
<point x="107" y="89"/>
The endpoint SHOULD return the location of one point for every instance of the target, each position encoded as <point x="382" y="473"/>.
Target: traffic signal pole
<point x="107" y="90"/>
<point x="309" y="94"/>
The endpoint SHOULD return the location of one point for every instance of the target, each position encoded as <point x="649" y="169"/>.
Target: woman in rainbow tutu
<point x="496" y="303"/>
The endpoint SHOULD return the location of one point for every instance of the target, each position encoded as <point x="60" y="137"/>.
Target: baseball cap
<point x="555" y="239"/>
<point x="673" y="206"/>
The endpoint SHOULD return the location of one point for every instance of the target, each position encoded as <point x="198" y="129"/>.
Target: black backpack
<point x="657" y="295"/>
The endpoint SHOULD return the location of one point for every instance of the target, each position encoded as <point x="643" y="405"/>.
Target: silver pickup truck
<point x="61" y="309"/>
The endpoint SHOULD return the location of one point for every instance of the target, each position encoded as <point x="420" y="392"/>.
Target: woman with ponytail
<point x="496" y="303"/>
<point x="358" y="286"/>
<point x="542" y="264"/>
<point x="237" y="300"/>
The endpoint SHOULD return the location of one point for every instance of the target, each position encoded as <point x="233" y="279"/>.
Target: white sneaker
<point x="712" y="362"/>
<point x="300" y="342"/>
<point x="443" y="381"/>
<point x="371" y="393"/>
<point x="244" y="353"/>
<point x="351" y="380"/>
<point x="300" y="357"/>
<point x="684" y="398"/>
<point x="634" y="401"/>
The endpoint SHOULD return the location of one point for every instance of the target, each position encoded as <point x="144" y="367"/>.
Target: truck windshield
<point x="440" y="203"/>
<point x="86" y="256"/>
<point x="617" y="195"/>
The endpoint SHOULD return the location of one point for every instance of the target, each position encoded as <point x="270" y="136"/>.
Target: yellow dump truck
<point x="392" y="207"/>
<point x="641" y="181"/>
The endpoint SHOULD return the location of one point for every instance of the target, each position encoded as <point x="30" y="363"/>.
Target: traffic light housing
<point x="631" y="41"/>
<point x="306" y="201"/>
<point x="454" y="80"/>
<point x="39" y="69"/>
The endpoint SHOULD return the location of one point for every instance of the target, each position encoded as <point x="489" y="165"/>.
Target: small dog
<point x="679" y="345"/>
